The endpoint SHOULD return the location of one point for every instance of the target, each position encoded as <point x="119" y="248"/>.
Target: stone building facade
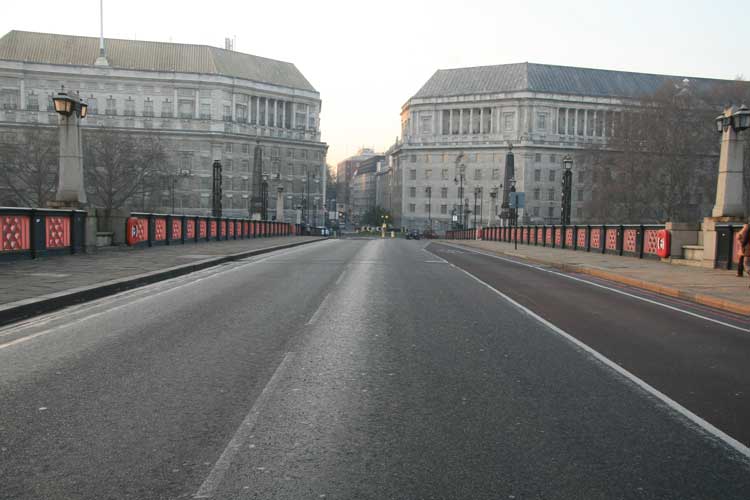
<point x="466" y="119"/>
<point x="363" y="186"/>
<point x="204" y="103"/>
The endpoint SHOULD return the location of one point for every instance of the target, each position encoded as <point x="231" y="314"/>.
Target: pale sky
<point x="367" y="58"/>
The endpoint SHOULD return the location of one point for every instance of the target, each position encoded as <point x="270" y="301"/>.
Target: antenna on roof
<point x="102" y="59"/>
<point x="228" y="43"/>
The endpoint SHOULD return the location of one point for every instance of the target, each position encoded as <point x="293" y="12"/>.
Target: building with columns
<point x="204" y="103"/>
<point x="465" y="120"/>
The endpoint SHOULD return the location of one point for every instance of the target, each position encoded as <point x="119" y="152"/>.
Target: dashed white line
<point x="670" y="403"/>
<point x="244" y="431"/>
<point x="599" y="285"/>
<point x="322" y="305"/>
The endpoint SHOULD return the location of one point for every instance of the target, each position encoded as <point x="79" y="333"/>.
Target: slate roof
<point x="547" y="78"/>
<point x="49" y="48"/>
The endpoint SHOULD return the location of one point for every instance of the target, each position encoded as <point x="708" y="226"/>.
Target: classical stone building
<point x="345" y="171"/>
<point x="204" y="103"/>
<point x="363" y="186"/>
<point x="465" y="119"/>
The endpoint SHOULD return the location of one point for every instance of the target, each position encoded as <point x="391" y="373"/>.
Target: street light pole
<point x="567" y="190"/>
<point x="429" y="206"/>
<point x="459" y="180"/>
<point x="477" y="190"/>
<point x="514" y="214"/>
<point x="70" y="189"/>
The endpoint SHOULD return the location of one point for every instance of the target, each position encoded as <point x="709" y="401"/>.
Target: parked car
<point x="413" y="235"/>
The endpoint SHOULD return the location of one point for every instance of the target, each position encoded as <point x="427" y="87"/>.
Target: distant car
<point x="430" y="234"/>
<point x="413" y="235"/>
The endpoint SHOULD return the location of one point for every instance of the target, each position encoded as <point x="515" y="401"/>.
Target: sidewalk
<point x="30" y="287"/>
<point x="712" y="287"/>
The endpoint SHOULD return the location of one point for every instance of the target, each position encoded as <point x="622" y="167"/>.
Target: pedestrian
<point x="743" y="238"/>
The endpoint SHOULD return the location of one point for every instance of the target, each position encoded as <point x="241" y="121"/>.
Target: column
<point x="307" y="116"/>
<point x="460" y="121"/>
<point x="276" y="113"/>
<point x="450" y="122"/>
<point x="265" y="118"/>
<point x="481" y="120"/>
<point x="283" y="114"/>
<point x="257" y="110"/>
<point x="471" y="120"/>
<point x="567" y="117"/>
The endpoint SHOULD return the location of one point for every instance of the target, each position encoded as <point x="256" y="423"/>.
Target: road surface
<point x="372" y="369"/>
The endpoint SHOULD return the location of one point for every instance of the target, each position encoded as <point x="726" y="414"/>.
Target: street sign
<point x="455" y="218"/>
<point x="517" y="200"/>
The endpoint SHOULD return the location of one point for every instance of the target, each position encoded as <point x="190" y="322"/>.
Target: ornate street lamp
<point x="70" y="188"/>
<point x="567" y="190"/>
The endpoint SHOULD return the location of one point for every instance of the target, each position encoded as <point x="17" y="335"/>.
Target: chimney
<point x="228" y="44"/>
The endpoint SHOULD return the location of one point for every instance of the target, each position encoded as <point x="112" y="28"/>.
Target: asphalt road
<point x="349" y="369"/>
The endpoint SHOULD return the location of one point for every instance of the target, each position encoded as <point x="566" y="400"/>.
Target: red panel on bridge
<point x="57" y="231"/>
<point x="558" y="236"/>
<point x="202" y="228"/>
<point x="569" y="237"/>
<point x="548" y="236"/>
<point x="137" y="230"/>
<point x="213" y="227"/>
<point x="581" y="238"/>
<point x="539" y="234"/>
<point x="14" y="232"/>
<point x="596" y="238"/>
<point x="176" y="229"/>
<point x="611" y="239"/>
<point x="190" y="230"/>
<point x="223" y="228"/>
<point x="231" y="228"/>
<point x="160" y="229"/>
<point x="629" y="240"/>
<point x="651" y="241"/>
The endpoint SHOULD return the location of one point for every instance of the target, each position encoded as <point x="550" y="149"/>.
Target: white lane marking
<point x="322" y="305"/>
<point x="191" y="280"/>
<point x="341" y="276"/>
<point x="244" y="431"/>
<point x="599" y="285"/>
<point x="669" y="402"/>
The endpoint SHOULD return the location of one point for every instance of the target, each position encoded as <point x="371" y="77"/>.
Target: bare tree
<point x="660" y="164"/>
<point x="119" y="165"/>
<point x="29" y="166"/>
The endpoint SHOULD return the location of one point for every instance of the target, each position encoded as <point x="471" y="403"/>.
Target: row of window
<point x="536" y="194"/>
<point x="552" y="175"/>
<point x="256" y="110"/>
<point x="534" y="211"/>
<point x="445" y="174"/>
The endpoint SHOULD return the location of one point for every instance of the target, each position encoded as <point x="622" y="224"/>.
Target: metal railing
<point x="37" y="232"/>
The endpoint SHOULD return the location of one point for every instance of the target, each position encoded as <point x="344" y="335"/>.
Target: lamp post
<point x="428" y="189"/>
<point x="509" y="174"/>
<point x="264" y="198"/>
<point x="70" y="189"/>
<point x="729" y="192"/>
<point x="513" y="212"/>
<point x="216" y="191"/>
<point x="477" y="192"/>
<point x="459" y="180"/>
<point x="493" y="211"/>
<point x="567" y="190"/>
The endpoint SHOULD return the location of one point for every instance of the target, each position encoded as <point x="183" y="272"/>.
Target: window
<point x="427" y="208"/>
<point x="535" y="211"/>
<point x="93" y="105"/>
<point x="475" y="120"/>
<point x="580" y="195"/>
<point x="427" y="173"/>
<point x="32" y="102"/>
<point x="228" y="147"/>
<point x="446" y="122"/>
<point x="425" y="124"/>
<point x="205" y="111"/>
<point x="579" y="212"/>
<point x="509" y="121"/>
<point x="552" y="174"/>
<point x="111" y="106"/>
<point x="413" y="174"/>
<point x="537" y="193"/>
<point x="495" y="173"/>
<point x="413" y="158"/>
<point x="590" y="122"/>
<point x="226" y="113"/>
<point x="240" y="111"/>
<point x="412" y="192"/>
<point x="9" y="99"/>
<point x="552" y="159"/>
<point x="443" y="209"/>
<point x="571" y="119"/>
<point x="477" y="174"/>
<point x="428" y="191"/>
<point x="541" y="122"/>
<point x="551" y="195"/>
<point x="166" y="108"/>
<point x="245" y="165"/>
<point x="129" y="107"/>
<point x="148" y="107"/>
<point x="444" y="192"/>
<point x="205" y="182"/>
<point x="561" y="121"/>
<point x="412" y="207"/>
<point x="537" y="157"/>
<point x="580" y="176"/>
<point x="550" y="212"/>
<point x="538" y="175"/>
<point x="444" y="174"/>
<point x="580" y="117"/>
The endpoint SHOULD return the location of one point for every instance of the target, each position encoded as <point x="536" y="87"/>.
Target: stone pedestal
<point x="280" y="205"/>
<point x="709" y="236"/>
<point x="682" y="233"/>
<point x="729" y="190"/>
<point x="70" y="176"/>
